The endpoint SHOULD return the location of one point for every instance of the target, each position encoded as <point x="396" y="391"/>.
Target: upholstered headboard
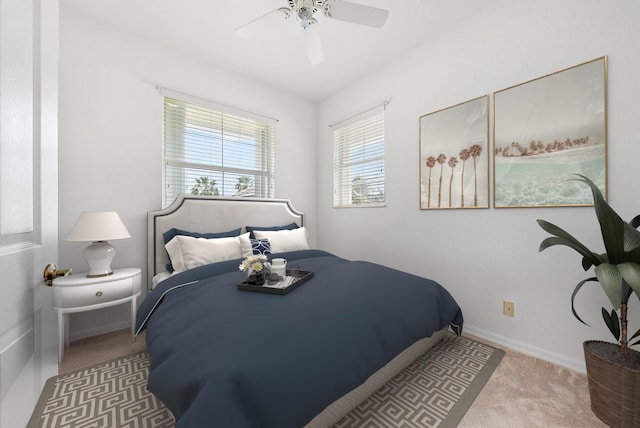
<point x="210" y="214"/>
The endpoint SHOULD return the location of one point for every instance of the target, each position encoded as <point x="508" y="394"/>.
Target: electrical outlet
<point x="509" y="308"/>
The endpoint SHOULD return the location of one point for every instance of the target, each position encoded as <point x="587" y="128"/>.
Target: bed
<point x="221" y="356"/>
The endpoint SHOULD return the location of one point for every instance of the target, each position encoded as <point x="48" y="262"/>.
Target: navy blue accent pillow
<point x="250" y="229"/>
<point x="171" y="233"/>
<point x="261" y="246"/>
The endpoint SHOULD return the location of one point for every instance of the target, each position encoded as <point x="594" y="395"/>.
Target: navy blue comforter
<point x="221" y="357"/>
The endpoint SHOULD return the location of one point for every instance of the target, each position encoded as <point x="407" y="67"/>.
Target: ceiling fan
<point x="304" y="11"/>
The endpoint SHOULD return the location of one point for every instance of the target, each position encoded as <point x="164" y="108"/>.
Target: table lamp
<point x="98" y="227"/>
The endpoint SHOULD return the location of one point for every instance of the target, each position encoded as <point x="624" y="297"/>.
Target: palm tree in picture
<point x="475" y="151"/>
<point x="205" y="186"/>
<point x="442" y="158"/>
<point x="453" y="161"/>
<point x="464" y="155"/>
<point x="431" y="162"/>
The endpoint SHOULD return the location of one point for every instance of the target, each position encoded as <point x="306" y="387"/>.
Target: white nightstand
<point x="77" y="293"/>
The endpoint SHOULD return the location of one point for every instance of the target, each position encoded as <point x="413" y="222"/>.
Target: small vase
<point x="257" y="278"/>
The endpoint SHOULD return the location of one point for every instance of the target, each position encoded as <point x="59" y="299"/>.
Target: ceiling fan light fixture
<point x="304" y="11"/>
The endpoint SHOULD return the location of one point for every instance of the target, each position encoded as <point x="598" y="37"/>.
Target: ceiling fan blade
<point x="357" y="13"/>
<point x="314" y="44"/>
<point x="259" y="24"/>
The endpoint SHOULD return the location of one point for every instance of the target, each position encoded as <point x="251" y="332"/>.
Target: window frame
<point x="229" y="129"/>
<point x="369" y="126"/>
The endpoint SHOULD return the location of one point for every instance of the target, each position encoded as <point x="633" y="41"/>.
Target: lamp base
<point x="99" y="256"/>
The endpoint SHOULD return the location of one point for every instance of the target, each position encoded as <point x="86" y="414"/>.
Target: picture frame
<point x="454" y="159"/>
<point x="547" y="130"/>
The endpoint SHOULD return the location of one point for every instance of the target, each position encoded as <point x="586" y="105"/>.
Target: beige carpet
<point x="523" y="391"/>
<point x="86" y="352"/>
<point x="527" y="392"/>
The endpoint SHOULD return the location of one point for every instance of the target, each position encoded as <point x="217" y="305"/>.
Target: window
<point x="213" y="150"/>
<point x="358" y="160"/>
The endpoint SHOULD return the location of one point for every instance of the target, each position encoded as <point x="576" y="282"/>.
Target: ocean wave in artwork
<point x="545" y="179"/>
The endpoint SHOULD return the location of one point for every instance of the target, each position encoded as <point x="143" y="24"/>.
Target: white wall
<point x="111" y="137"/>
<point x="485" y="256"/>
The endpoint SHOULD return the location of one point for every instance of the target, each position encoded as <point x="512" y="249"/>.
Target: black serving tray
<point x="303" y="277"/>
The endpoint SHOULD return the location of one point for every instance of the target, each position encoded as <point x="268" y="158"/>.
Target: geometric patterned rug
<point x="434" y="391"/>
<point x="108" y="395"/>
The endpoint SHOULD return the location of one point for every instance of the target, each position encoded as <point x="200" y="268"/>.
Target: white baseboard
<point x="577" y="365"/>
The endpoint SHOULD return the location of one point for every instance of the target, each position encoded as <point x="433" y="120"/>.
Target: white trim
<point x="576" y="365"/>
<point x="18" y="247"/>
<point x="202" y="102"/>
<point x="37" y="124"/>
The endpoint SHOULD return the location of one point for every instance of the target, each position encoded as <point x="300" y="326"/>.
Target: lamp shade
<point x="98" y="226"/>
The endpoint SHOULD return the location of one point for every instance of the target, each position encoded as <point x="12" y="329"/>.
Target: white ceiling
<point x="205" y="29"/>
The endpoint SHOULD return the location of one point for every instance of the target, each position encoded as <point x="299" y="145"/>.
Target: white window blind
<point x="208" y="151"/>
<point x="359" y="165"/>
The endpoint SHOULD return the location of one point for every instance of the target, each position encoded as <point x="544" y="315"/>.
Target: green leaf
<point x="636" y="221"/>
<point x="561" y="237"/>
<point x="613" y="322"/>
<point x="635" y="335"/>
<point x="631" y="237"/>
<point x="635" y="343"/>
<point x="611" y="225"/>
<point x="575" y="292"/>
<point x="610" y="279"/>
<point x="631" y="274"/>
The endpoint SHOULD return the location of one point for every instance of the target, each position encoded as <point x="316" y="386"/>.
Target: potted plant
<point x="613" y="370"/>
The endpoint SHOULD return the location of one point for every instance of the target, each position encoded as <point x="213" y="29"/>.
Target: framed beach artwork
<point x="546" y="131"/>
<point x="454" y="160"/>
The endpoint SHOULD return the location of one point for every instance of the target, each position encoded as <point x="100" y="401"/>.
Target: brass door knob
<point x="51" y="272"/>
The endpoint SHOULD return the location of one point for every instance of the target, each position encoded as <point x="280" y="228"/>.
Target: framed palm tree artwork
<point x="547" y="130"/>
<point x="454" y="160"/>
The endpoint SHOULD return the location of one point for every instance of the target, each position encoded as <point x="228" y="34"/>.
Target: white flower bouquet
<point x="257" y="268"/>
<point x="254" y="264"/>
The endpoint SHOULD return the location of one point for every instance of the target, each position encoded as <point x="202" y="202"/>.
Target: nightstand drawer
<point x="78" y="291"/>
<point x="86" y="295"/>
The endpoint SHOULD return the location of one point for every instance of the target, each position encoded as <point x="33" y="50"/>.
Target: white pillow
<point x="187" y="252"/>
<point x="245" y="244"/>
<point x="285" y="240"/>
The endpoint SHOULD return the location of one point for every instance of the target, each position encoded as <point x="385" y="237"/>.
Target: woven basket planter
<point x="614" y="389"/>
